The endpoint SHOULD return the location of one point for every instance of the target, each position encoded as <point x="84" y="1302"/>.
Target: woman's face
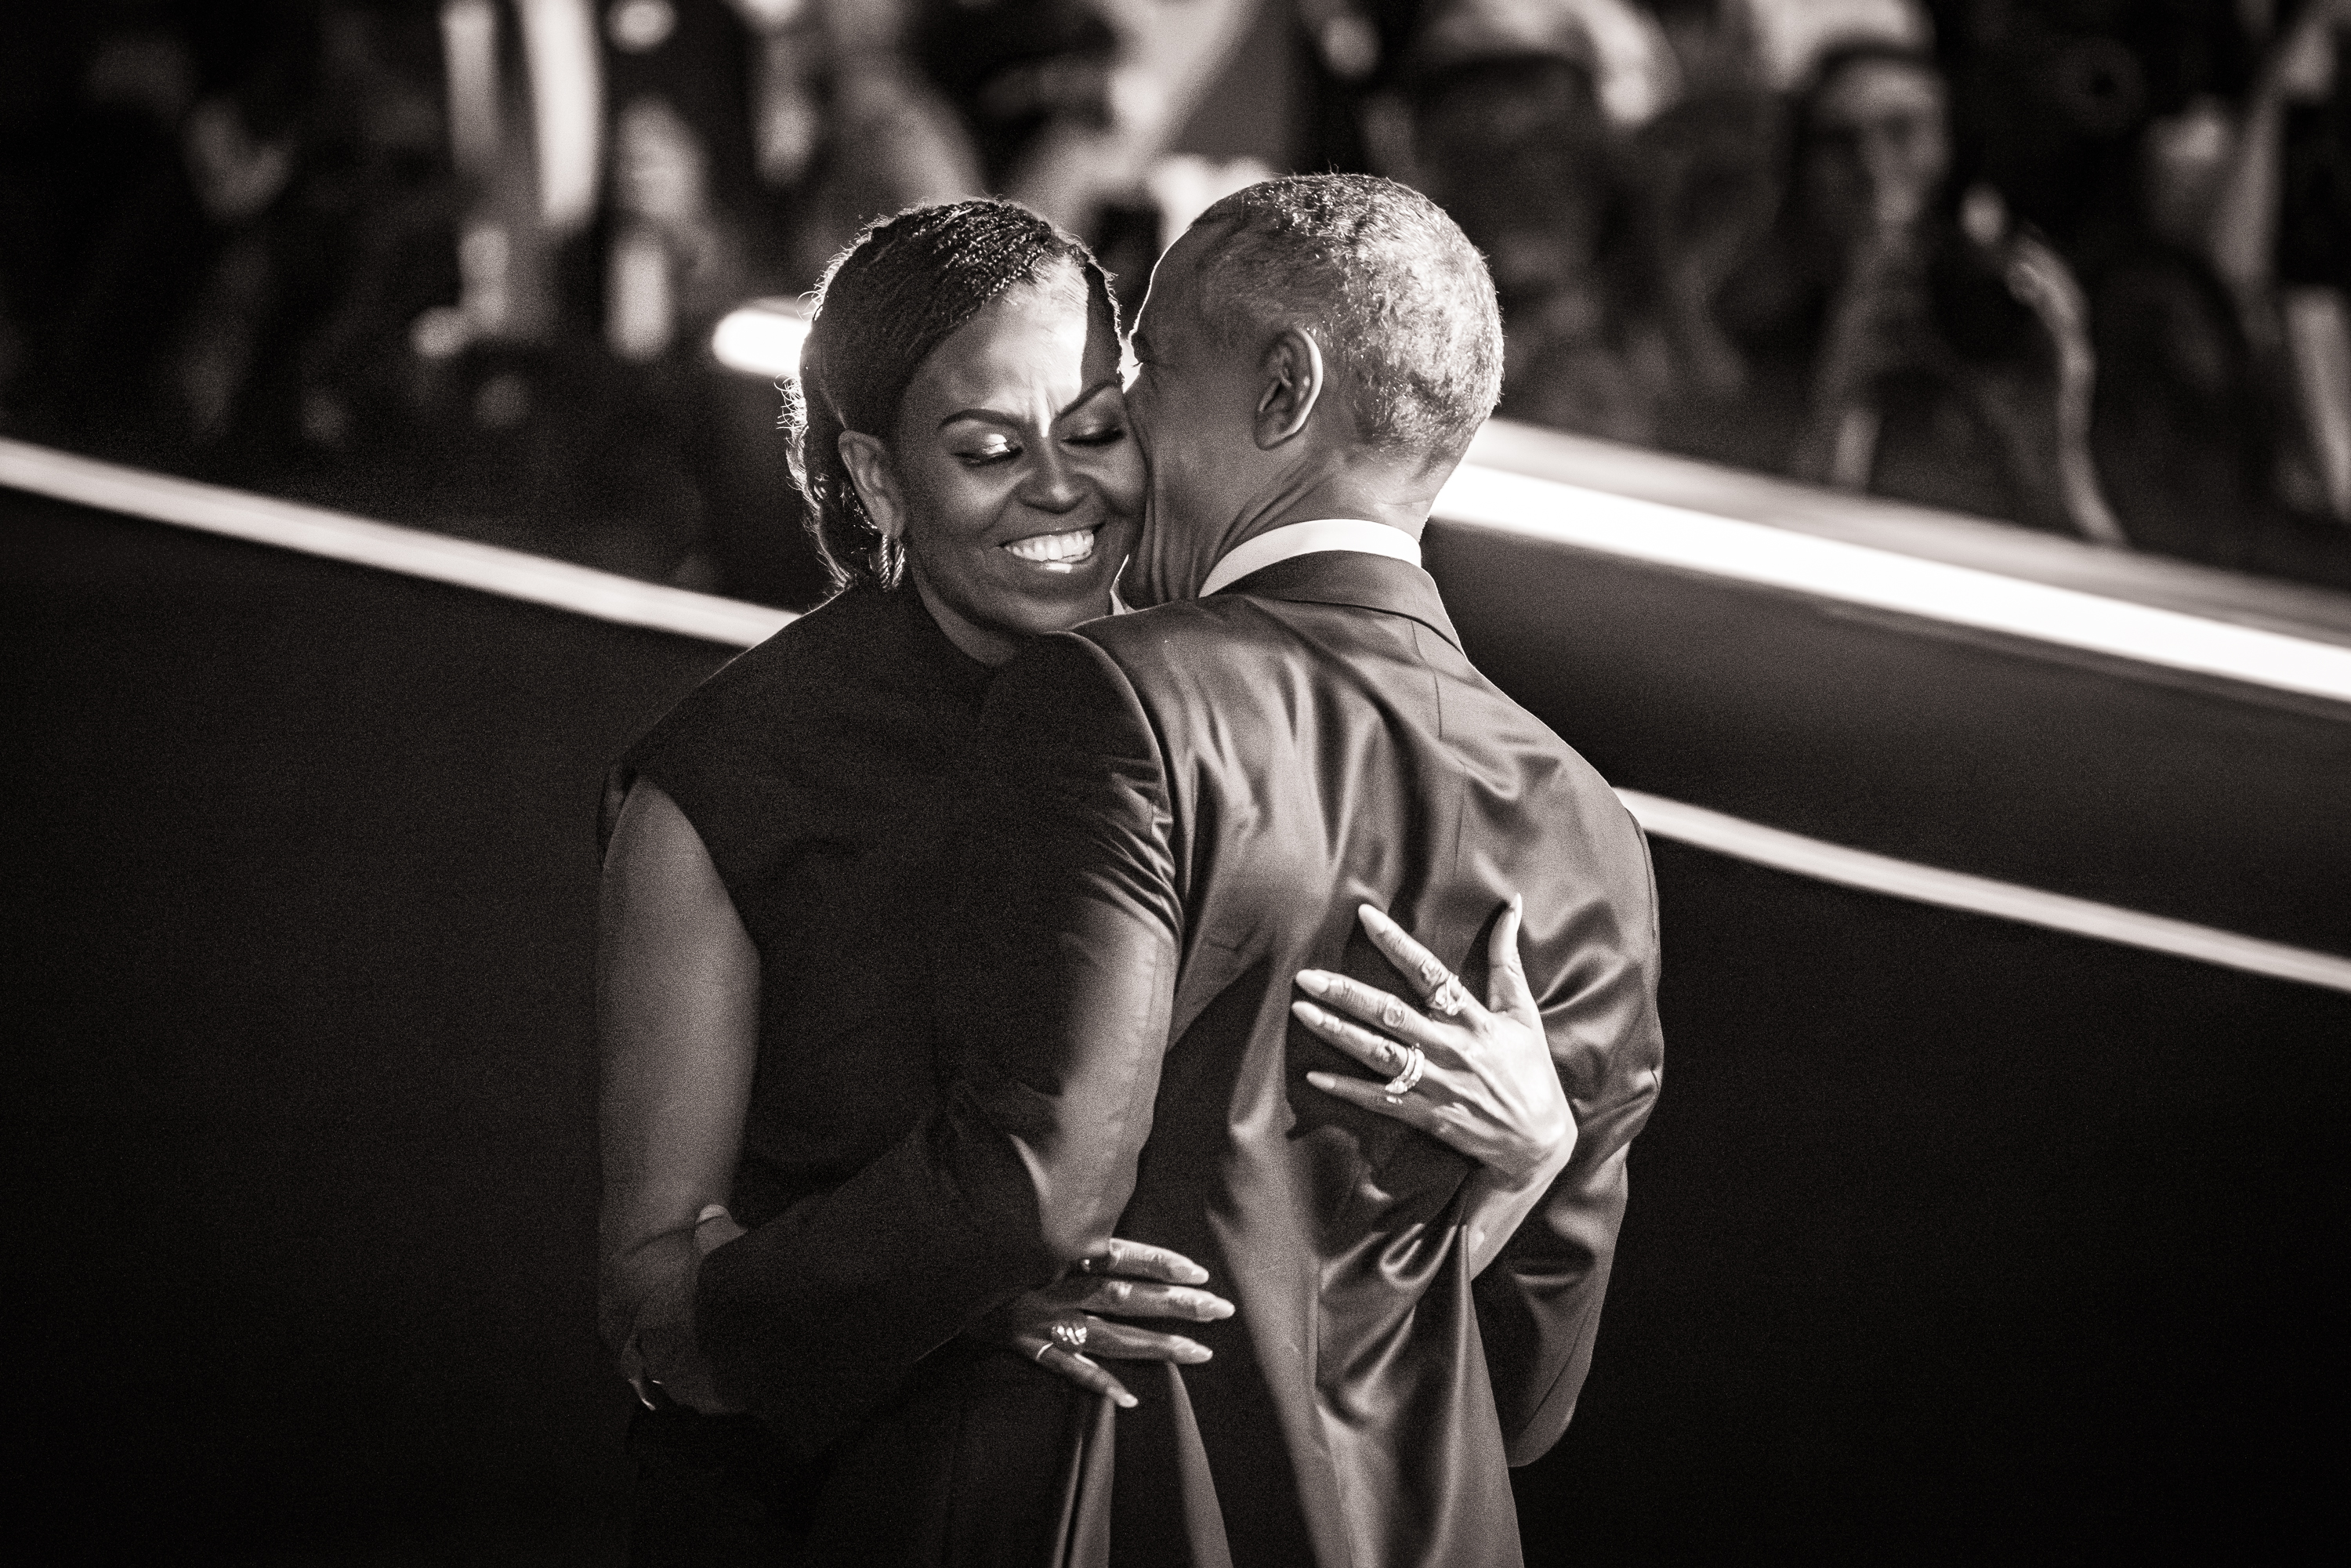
<point x="1879" y="148"/>
<point x="1012" y="478"/>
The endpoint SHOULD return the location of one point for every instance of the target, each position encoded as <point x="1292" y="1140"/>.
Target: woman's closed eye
<point x="1097" y="435"/>
<point x="982" y="453"/>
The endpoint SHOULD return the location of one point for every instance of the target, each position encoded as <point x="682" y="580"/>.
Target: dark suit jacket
<point x="1175" y="811"/>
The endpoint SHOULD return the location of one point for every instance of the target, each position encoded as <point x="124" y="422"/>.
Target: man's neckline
<point x="1293" y="539"/>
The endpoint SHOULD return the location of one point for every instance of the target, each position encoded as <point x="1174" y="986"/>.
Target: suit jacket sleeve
<point x="1596" y="976"/>
<point x="1055" y="983"/>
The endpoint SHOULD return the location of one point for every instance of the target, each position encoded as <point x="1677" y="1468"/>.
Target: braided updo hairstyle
<point x="901" y="288"/>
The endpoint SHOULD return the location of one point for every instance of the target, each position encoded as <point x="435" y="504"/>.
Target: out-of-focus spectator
<point x="153" y="283"/>
<point x="2314" y="242"/>
<point x="1914" y="354"/>
<point x="459" y="262"/>
<point x="102" y="219"/>
<point x="2151" y="142"/>
<point x="1071" y="103"/>
<point x="2051" y="96"/>
<point x="1500" y="115"/>
<point x="1709" y="170"/>
<point x="2182" y="429"/>
<point x="2278" y="240"/>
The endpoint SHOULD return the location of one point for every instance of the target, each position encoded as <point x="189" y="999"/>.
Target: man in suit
<point x="1182" y="810"/>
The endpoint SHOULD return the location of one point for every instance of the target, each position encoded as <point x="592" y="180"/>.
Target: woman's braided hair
<point x="901" y="288"/>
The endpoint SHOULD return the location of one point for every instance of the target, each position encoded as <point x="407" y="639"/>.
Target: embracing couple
<point x="1089" y="1087"/>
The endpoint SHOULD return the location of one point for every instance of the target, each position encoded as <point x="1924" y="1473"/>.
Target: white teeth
<point x="1055" y="550"/>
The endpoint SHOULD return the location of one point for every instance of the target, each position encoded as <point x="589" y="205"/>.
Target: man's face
<point x="1190" y="402"/>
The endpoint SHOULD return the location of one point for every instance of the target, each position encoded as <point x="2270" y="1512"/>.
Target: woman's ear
<point x="877" y="488"/>
<point x="1291" y="386"/>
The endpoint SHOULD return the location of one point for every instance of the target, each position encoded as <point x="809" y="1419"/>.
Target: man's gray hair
<point x="1396" y="296"/>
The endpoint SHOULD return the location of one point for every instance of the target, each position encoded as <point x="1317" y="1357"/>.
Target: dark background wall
<point x="299" y="1110"/>
<point x="1950" y="1239"/>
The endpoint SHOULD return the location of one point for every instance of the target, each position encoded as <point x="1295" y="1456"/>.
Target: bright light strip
<point x="1546" y="509"/>
<point x="259" y="519"/>
<point x="1824" y="861"/>
<point x="606" y="597"/>
<point x="760" y="340"/>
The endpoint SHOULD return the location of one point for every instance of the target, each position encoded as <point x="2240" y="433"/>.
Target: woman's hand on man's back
<point x="660" y="1358"/>
<point x="1062" y="1328"/>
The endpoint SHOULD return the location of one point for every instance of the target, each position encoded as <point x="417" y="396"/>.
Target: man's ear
<point x="1291" y="386"/>
<point x="877" y="488"/>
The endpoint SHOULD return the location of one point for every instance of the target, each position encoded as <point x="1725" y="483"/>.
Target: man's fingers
<point x="1139" y="1299"/>
<point x="1074" y="1368"/>
<point x="1507" y="987"/>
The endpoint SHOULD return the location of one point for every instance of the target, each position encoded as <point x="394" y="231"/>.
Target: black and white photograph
<point x="927" y="783"/>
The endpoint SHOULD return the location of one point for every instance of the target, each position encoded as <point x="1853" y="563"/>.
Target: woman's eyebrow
<point x="985" y="416"/>
<point x="1012" y="422"/>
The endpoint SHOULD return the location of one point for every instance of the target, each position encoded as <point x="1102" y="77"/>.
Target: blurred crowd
<point x="2078" y="264"/>
<point x="457" y="263"/>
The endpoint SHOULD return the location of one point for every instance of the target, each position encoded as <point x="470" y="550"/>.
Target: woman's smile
<point x="1056" y="552"/>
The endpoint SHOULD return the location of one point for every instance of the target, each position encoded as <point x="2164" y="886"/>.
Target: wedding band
<point x="1402" y="1084"/>
<point x="1448" y="998"/>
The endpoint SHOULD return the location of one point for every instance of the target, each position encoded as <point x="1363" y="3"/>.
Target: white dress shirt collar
<point x="1304" y="539"/>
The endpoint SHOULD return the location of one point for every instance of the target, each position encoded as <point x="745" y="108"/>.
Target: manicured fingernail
<point x="1314" y="980"/>
<point x="1320" y="1079"/>
<point x="1124" y="1401"/>
<point x="1192" y="1274"/>
<point x="1195" y="1353"/>
<point x="1518" y="904"/>
<point x="1380" y="915"/>
<point x="1309" y="1014"/>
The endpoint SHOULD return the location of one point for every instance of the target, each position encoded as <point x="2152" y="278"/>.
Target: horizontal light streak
<point x="1546" y="509"/>
<point x="1823" y="861"/>
<point x="604" y="596"/>
<point x="313" y="531"/>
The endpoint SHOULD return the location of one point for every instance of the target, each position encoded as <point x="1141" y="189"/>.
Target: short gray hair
<point x="1398" y="296"/>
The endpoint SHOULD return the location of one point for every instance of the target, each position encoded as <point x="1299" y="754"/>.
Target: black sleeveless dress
<point x="822" y="770"/>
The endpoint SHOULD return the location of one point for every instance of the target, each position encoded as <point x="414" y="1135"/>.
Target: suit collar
<point x="1353" y="578"/>
<point x="1304" y="539"/>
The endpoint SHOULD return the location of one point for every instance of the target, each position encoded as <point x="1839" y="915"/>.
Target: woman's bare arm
<point x="678" y="998"/>
<point x="677" y="1013"/>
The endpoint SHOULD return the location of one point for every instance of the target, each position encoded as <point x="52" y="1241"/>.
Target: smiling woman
<point x="775" y="855"/>
<point x="1008" y="479"/>
<point x="976" y="335"/>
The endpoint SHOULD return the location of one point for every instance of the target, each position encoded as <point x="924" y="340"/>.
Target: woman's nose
<point x="1054" y="484"/>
